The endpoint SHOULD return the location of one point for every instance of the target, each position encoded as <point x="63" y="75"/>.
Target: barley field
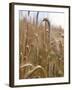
<point x="41" y="48"/>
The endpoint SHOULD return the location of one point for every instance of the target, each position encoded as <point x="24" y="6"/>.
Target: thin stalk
<point x="37" y="18"/>
<point x="26" y="41"/>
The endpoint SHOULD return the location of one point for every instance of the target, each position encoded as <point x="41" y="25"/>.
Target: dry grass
<point x="41" y="51"/>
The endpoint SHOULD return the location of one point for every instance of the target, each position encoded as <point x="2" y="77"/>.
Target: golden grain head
<point x="27" y="46"/>
<point x="36" y="35"/>
<point x="47" y="30"/>
<point x="49" y="56"/>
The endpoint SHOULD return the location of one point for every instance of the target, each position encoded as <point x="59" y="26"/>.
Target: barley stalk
<point x="41" y="70"/>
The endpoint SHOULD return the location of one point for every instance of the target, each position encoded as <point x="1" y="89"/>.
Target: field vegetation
<point x="41" y="49"/>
